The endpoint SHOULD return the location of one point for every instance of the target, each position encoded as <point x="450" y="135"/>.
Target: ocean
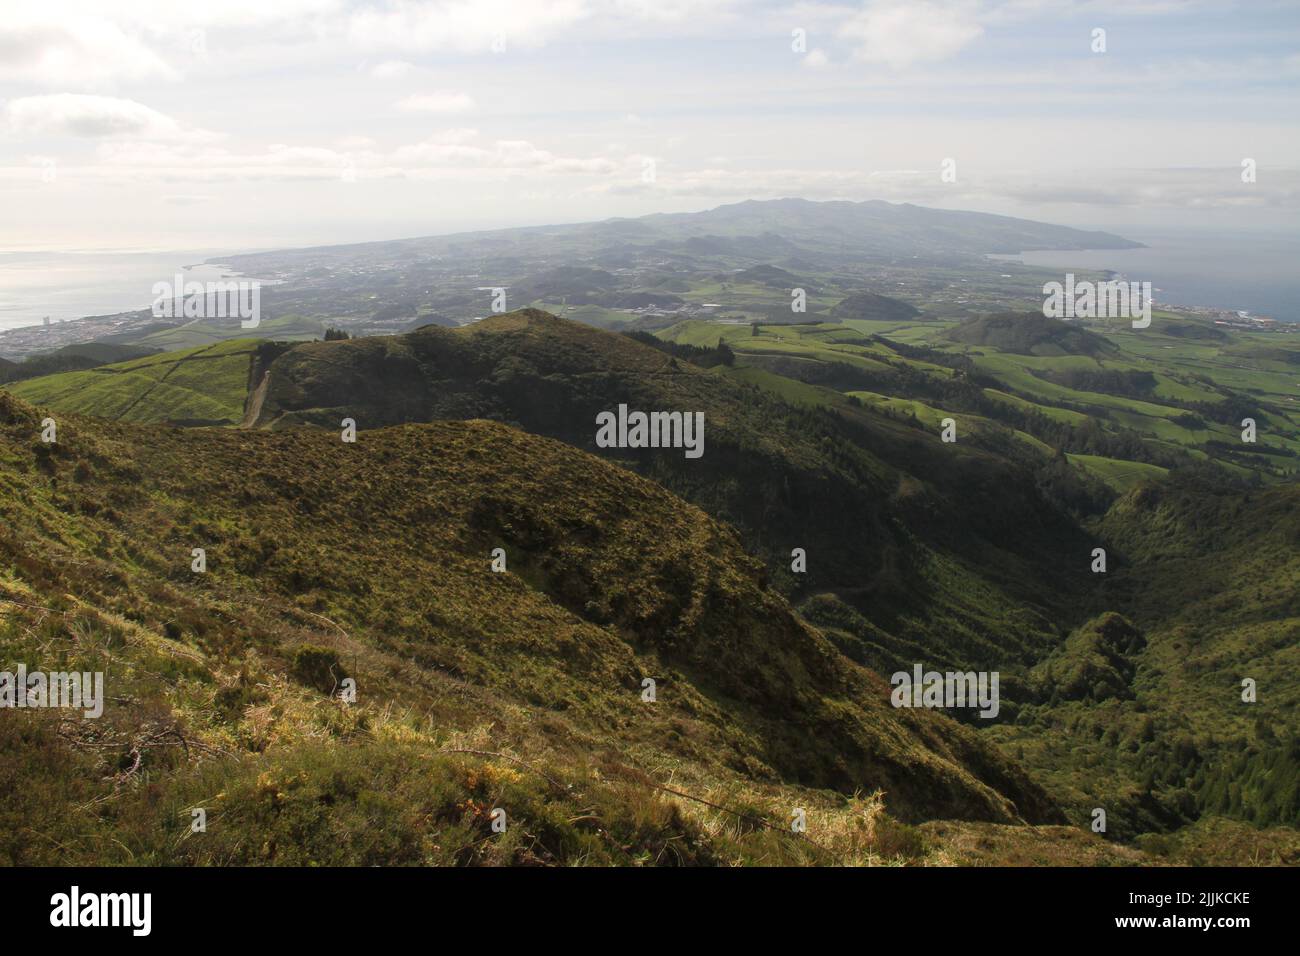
<point x="69" y="285"/>
<point x="1259" y="274"/>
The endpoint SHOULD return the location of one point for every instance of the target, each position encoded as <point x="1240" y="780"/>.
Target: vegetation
<point x="69" y="358"/>
<point x="518" y="689"/>
<point x="206" y="385"/>
<point x="371" y="561"/>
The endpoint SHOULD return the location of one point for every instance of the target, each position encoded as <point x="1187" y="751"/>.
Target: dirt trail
<point x="253" y="408"/>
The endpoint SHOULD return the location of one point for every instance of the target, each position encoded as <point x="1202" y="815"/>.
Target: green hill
<point x="475" y="689"/>
<point x="873" y="307"/>
<point x="202" y="386"/>
<point x="1031" y="334"/>
<point x="969" y="585"/>
<point x="70" y="358"/>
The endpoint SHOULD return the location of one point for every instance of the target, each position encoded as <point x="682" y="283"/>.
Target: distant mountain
<point x="880" y="228"/>
<point x="757" y="230"/>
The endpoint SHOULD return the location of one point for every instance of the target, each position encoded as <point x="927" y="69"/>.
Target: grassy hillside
<point x="1120" y="690"/>
<point x="1031" y="334"/>
<point x="70" y="358"/>
<point x="519" y="689"/>
<point x="206" y="385"/>
<point x="1149" y="400"/>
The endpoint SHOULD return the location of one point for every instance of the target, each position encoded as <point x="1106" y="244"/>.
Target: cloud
<point x="448" y="154"/>
<point x="94" y="117"/>
<point x="459" y="134"/>
<point x="453" y="149"/>
<point x="1200" y="189"/>
<point x="816" y="59"/>
<point x="354" y="142"/>
<point x="184" y="200"/>
<point x="1189" y="188"/>
<point x="900" y="33"/>
<point x="483" y="26"/>
<point x="464" y="26"/>
<point x="81" y="51"/>
<point x="442" y="101"/>
<point x="391" y="69"/>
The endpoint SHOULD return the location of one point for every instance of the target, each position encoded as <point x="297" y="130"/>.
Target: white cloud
<point x="900" y="34"/>
<point x="303" y="89"/>
<point x="816" y="59"/>
<point x="459" y="134"/>
<point x="354" y="142"/>
<point x="187" y="200"/>
<point x="451" y="153"/>
<point x="94" y="117"/>
<point x="464" y="26"/>
<point x="454" y="149"/>
<point x="81" y="51"/>
<point x="1132" y="188"/>
<point x="673" y="11"/>
<point x="442" y="101"/>
<point x="391" y="69"/>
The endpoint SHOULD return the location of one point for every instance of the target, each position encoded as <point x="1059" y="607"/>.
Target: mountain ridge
<point x="749" y="214"/>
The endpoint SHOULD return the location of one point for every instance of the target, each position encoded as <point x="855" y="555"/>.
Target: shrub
<point x="318" y="667"/>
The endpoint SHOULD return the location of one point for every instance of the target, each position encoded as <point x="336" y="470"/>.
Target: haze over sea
<point x="1257" y="273"/>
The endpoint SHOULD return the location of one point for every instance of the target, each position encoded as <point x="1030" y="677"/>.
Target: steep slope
<point x="936" y="577"/>
<point x="373" y="560"/>
<point x="1214" y="571"/>
<point x="1151" y="717"/>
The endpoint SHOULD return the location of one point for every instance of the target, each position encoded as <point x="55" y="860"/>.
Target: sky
<point x="252" y="124"/>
